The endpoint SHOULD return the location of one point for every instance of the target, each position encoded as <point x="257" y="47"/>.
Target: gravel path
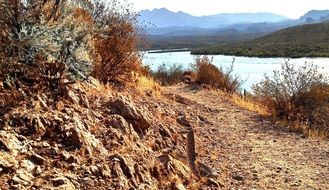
<point x="248" y="151"/>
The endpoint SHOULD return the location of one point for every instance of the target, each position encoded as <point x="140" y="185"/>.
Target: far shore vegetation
<point x="311" y="40"/>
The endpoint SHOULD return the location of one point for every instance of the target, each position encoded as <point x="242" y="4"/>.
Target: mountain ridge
<point x="165" y="18"/>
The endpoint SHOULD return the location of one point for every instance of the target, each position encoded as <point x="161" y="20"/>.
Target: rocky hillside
<point x="61" y="125"/>
<point x="98" y="139"/>
<point x="132" y="139"/>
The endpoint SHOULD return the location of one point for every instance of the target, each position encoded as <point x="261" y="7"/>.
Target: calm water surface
<point x="250" y="69"/>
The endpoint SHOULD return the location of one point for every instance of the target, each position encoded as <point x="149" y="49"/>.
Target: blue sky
<point x="289" y="8"/>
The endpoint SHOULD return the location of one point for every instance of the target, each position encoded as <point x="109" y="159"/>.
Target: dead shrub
<point x="115" y="46"/>
<point x="296" y="94"/>
<point x="168" y="75"/>
<point x="209" y="74"/>
<point x="314" y="106"/>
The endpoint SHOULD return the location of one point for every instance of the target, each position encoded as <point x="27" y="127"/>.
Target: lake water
<point x="250" y="69"/>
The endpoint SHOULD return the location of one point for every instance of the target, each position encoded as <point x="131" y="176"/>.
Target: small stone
<point x="16" y="180"/>
<point x="295" y="184"/>
<point x="63" y="183"/>
<point x="37" y="171"/>
<point x="214" y="183"/>
<point x="255" y="177"/>
<point x="94" y="170"/>
<point x="73" y="166"/>
<point x="67" y="157"/>
<point x="238" y="177"/>
<point x="37" y="159"/>
<point x="179" y="186"/>
<point x="278" y="169"/>
<point x="22" y="178"/>
<point x="58" y="181"/>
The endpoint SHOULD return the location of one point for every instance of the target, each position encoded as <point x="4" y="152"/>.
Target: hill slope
<point x="306" y="40"/>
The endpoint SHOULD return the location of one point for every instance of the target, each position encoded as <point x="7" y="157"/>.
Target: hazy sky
<point x="289" y="8"/>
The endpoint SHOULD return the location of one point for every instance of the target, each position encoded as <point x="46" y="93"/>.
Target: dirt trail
<point x="248" y="151"/>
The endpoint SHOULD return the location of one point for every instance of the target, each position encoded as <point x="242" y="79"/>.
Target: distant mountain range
<point x="162" y="22"/>
<point x="316" y="15"/>
<point x="164" y="18"/>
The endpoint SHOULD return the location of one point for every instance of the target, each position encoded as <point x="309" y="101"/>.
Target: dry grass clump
<point x="249" y="105"/>
<point x="297" y="95"/>
<point x="148" y="85"/>
<point x="209" y="74"/>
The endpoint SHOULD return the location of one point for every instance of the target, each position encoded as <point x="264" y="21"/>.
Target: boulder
<point x="37" y="159"/>
<point x="118" y="122"/>
<point x="139" y="118"/>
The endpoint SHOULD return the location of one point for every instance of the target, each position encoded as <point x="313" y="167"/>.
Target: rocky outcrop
<point x="79" y="143"/>
<point x="10" y="148"/>
<point x="139" y="118"/>
<point x="79" y="136"/>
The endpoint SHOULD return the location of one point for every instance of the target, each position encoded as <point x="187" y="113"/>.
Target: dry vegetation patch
<point x="297" y="95"/>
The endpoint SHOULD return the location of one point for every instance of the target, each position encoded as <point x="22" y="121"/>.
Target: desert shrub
<point x="25" y="69"/>
<point x="296" y="94"/>
<point x="314" y="106"/>
<point x="76" y="39"/>
<point x="168" y="75"/>
<point x="117" y="56"/>
<point x="115" y="45"/>
<point x="209" y="74"/>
